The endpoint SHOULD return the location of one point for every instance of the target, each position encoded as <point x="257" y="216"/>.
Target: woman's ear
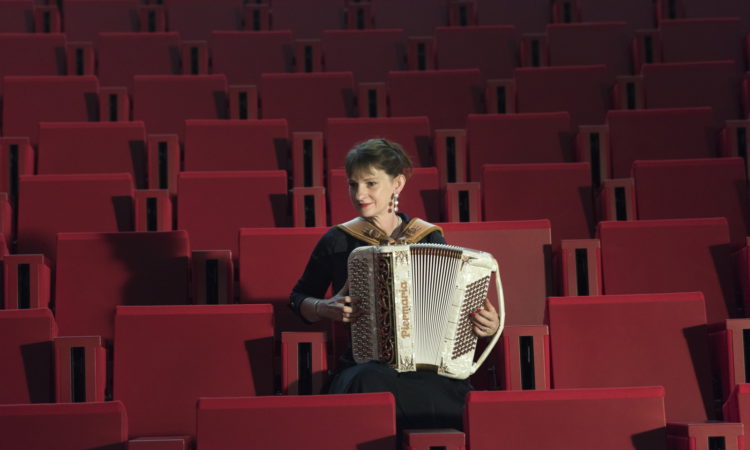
<point x="398" y="183"/>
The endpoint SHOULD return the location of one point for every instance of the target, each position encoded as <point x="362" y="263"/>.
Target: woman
<point x="377" y="170"/>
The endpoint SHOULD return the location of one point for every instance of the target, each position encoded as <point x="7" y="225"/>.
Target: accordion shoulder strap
<point x="411" y="233"/>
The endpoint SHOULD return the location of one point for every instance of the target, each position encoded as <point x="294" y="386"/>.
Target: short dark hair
<point x="380" y="154"/>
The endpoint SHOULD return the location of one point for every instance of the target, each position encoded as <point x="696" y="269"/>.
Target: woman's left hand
<point x="485" y="320"/>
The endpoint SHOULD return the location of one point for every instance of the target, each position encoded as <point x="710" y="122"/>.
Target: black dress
<point x="423" y="398"/>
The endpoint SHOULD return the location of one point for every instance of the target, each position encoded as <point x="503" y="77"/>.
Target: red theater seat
<point x="583" y="91"/>
<point x="522" y="250"/>
<point x="64" y="426"/>
<point x="421" y="197"/>
<point x="104" y="147"/>
<point x="579" y="418"/>
<point x="412" y="133"/>
<point x="680" y="85"/>
<point x="737" y="406"/>
<point x="416" y="17"/>
<point x="28" y="359"/>
<point x="196" y="19"/>
<point x="17" y="16"/>
<point x="308" y="19"/>
<point x="712" y="39"/>
<point x="680" y="255"/>
<point x="236" y="145"/>
<point x="321" y="422"/>
<point x="49" y="204"/>
<point x="660" y="134"/>
<point x="719" y="8"/>
<point x="446" y="97"/>
<point x="694" y="188"/>
<point x="96" y="272"/>
<point x="84" y="19"/>
<point x="30" y="100"/>
<point x="368" y="54"/>
<point x="164" y="102"/>
<point x="242" y="56"/>
<point x="578" y="44"/>
<point x="518" y="138"/>
<point x="279" y="254"/>
<point x="31" y="54"/>
<point x="530" y="16"/>
<point x="637" y="13"/>
<point x="213" y="206"/>
<point x="560" y="192"/>
<point x="622" y="340"/>
<point x="306" y="100"/>
<point x="494" y="49"/>
<point x="124" y="55"/>
<point x="179" y="353"/>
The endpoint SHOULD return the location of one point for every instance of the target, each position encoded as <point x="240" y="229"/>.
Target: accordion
<point x="415" y="302"/>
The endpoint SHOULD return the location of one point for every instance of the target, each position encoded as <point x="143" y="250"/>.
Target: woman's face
<point x="371" y="192"/>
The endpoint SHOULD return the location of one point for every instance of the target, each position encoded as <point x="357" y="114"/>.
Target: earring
<point x="395" y="203"/>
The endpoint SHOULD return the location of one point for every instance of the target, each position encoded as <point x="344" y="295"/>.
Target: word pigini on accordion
<point x="415" y="301"/>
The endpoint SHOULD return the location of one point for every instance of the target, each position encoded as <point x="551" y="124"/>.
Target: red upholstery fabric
<point x="17" y="16"/>
<point x="494" y="49"/>
<point x="679" y="85"/>
<point x="196" y="19"/>
<point x="680" y="255"/>
<point x="421" y="197"/>
<point x="522" y="250"/>
<point x="164" y="102"/>
<point x="30" y="100"/>
<point x="236" y="145"/>
<point x="622" y="340"/>
<point x="103" y="147"/>
<point x="278" y="254"/>
<point x="50" y="204"/>
<point x="96" y="272"/>
<point x="308" y="19"/>
<point x="412" y="133"/>
<point x="306" y="100"/>
<point x="559" y="192"/>
<point x="84" y="19"/>
<point x="637" y="13"/>
<point x="242" y="56"/>
<point x="368" y="54"/>
<point x="583" y="91"/>
<point x="577" y="44"/>
<point x="694" y="188"/>
<point x="177" y="354"/>
<point x="64" y="426"/>
<point x="518" y="138"/>
<point x="616" y="419"/>
<point x="124" y="55"/>
<point x="528" y="17"/>
<point x="213" y="206"/>
<point x="27" y="355"/>
<point x="719" y="8"/>
<point x="31" y="54"/>
<point x="660" y="134"/>
<point x="703" y="40"/>
<point x="446" y="97"/>
<point x="416" y="17"/>
<point x="320" y="422"/>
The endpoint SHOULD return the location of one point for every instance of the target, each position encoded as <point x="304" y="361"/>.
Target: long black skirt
<point x="424" y="399"/>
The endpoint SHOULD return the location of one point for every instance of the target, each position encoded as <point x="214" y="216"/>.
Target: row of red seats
<point x="627" y="136"/>
<point x="371" y="54"/>
<point x="306" y="100"/>
<point x="206" y="201"/>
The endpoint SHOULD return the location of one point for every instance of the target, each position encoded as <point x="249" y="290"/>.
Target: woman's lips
<point x="364" y="205"/>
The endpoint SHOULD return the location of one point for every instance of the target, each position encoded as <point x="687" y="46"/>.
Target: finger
<point x="486" y="314"/>
<point x="344" y="300"/>
<point x="489" y="307"/>
<point x="482" y="321"/>
<point x="347" y="310"/>
<point x="479" y="331"/>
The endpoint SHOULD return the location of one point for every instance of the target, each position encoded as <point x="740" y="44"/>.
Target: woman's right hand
<point x="341" y="307"/>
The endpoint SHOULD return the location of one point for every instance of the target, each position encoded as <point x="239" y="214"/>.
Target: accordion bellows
<point x="415" y="302"/>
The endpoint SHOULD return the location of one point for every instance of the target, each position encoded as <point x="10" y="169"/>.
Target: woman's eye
<point x="371" y="183"/>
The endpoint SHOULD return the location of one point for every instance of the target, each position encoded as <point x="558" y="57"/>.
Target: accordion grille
<point x="359" y="286"/>
<point x="384" y="307"/>
<point x="476" y="292"/>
